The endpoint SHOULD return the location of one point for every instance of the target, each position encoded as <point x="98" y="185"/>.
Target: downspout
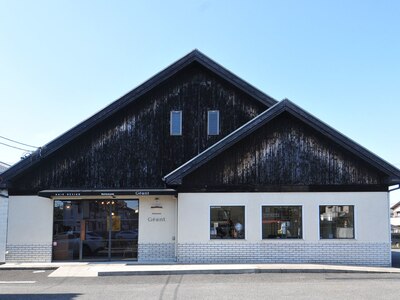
<point x="176" y="228"/>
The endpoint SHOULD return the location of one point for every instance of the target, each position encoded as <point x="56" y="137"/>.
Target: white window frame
<point x="245" y="222"/>
<point x="355" y="227"/>
<point x="208" y="122"/>
<point x="303" y="233"/>
<point x="180" y="123"/>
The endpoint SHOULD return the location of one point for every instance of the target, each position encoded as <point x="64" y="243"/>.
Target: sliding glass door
<point x="95" y="229"/>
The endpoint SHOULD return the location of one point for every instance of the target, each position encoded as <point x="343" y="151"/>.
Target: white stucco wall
<point x="157" y="225"/>
<point x="30" y="226"/>
<point x="29" y="232"/>
<point x="370" y="213"/>
<point x="30" y="220"/>
<point x="157" y="228"/>
<point x="164" y="236"/>
<point x="371" y="245"/>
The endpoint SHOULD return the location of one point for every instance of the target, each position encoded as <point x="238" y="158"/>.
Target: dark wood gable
<point x="133" y="147"/>
<point x="285" y="155"/>
<point x="284" y="149"/>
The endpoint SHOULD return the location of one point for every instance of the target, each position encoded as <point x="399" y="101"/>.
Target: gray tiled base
<point x="156" y="252"/>
<point x="343" y="253"/>
<point x="28" y="253"/>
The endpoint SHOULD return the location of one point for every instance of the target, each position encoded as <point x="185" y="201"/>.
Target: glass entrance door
<point x="95" y="229"/>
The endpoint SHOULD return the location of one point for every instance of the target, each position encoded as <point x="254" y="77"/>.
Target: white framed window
<point x="336" y="221"/>
<point x="213" y="122"/>
<point x="176" y="122"/>
<point x="227" y="222"/>
<point x="281" y="222"/>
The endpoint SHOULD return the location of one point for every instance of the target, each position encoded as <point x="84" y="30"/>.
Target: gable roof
<point x="176" y="176"/>
<point x="193" y="57"/>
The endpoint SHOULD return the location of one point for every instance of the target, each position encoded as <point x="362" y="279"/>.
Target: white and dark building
<point x="197" y="166"/>
<point x="395" y="222"/>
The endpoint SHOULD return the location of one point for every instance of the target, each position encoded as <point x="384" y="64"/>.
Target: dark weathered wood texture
<point x="284" y="155"/>
<point x="133" y="148"/>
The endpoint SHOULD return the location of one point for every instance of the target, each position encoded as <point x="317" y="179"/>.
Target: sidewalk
<point x="94" y="269"/>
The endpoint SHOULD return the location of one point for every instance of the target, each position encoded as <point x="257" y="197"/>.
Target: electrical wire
<point x="18" y="142"/>
<point x="8" y="165"/>
<point x="16" y="147"/>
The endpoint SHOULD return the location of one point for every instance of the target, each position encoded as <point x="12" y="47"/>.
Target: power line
<point x="17" y="142"/>
<point x="16" y="147"/>
<point x="2" y="162"/>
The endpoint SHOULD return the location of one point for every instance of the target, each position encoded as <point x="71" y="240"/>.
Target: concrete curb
<point x="124" y="269"/>
<point x="27" y="268"/>
<point x="234" y="271"/>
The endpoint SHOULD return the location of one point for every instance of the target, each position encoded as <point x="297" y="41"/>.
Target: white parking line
<point x="16" y="282"/>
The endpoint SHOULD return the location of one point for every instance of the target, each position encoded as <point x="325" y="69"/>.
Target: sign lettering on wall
<point x="156" y="219"/>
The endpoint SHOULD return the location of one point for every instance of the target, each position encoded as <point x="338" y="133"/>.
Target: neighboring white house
<point x="197" y="166"/>
<point x="395" y="217"/>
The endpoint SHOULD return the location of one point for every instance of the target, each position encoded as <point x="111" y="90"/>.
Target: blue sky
<point x="62" y="61"/>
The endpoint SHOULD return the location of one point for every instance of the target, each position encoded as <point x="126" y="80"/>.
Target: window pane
<point x="176" y="122"/>
<point x="281" y="222"/>
<point x="227" y="222"/>
<point x="213" y="122"/>
<point x="336" y="222"/>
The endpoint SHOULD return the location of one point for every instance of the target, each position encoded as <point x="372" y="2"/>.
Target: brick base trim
<point x="28" y="253"/>
<point x="338" y="252"/>
<point x="156" y="252"/>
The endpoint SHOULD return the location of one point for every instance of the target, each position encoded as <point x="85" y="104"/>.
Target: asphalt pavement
<point x="36" y="284"/>
<point x="66" y="282"/>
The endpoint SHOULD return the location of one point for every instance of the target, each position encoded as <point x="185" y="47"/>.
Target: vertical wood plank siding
<point x="133" y="148"/>
<point x="284" y="152"/>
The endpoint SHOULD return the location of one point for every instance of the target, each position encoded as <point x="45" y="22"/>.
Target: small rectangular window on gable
<point x="213" y="122"/>
<point x="176" y="122"/>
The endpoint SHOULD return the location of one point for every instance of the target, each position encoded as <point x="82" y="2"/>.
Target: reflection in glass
<point x="227" y="222"/>
<point x="336" y="222"/>
<point x="95" y="229"/>
<point x="281" y="222"/>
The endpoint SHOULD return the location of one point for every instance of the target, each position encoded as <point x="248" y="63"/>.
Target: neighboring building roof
<point x="176" y="176"/>
<point x="193" y="57"/>
<point x="395" y="205"/>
